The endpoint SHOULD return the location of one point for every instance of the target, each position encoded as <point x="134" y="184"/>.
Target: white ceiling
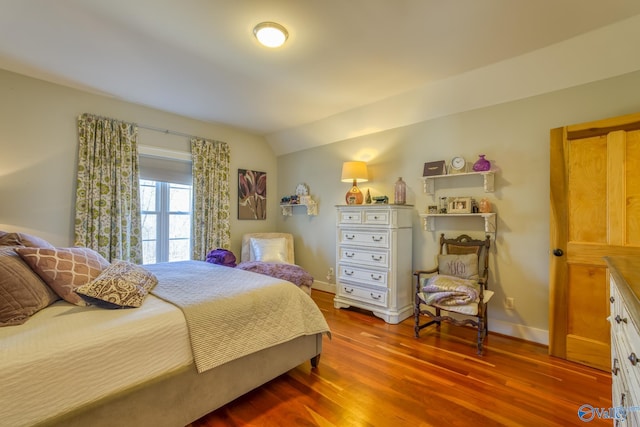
<point x="198" y="58"/>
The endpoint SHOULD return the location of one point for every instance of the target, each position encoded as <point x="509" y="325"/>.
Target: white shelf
<point x="488" y="178"/>
<point x="429" y="220"/>
<point x="312" y="208"/>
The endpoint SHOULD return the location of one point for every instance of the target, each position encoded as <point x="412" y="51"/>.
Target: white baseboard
<point x="515" y="330"/>
<point x="324" y="286"/>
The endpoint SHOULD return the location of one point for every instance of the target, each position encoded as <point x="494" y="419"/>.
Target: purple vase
<point x="482" y="164"/>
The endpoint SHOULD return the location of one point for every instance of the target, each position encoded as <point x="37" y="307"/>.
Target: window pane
<point x="149" y="226"/>
<point x="179" y="198"/>
<point x="149" y="252"/>
<point x="179" y="249"/>
<point x="179" y="226"/>
<point x="147" y="195"/>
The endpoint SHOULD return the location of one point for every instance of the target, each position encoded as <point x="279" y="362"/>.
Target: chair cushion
<point x="463" y="266"/>
<point x="470" y="309"/>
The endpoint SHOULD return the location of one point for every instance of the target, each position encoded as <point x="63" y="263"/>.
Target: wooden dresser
<point x="625" y="335"/>
<point x="374" y="259"/>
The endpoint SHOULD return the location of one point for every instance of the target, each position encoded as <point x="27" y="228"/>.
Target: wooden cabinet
<point x="373" y="260"/>
<point x="624" y="274"/>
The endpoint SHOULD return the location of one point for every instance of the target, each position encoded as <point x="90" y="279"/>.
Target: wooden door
<point x="595" y="212"/>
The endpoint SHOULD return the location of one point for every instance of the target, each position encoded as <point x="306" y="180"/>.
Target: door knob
<point x="558" y="252"/>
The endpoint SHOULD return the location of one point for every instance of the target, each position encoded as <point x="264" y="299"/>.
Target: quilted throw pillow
<point x="22" y="292"/>
<point x="464" y="266"/>
<point x="121" y="285"/>
<point x="64" y="269"/>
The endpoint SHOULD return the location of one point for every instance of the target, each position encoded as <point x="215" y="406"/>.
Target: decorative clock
<point x="302" y="190"/>
<point x="457" y="165"/>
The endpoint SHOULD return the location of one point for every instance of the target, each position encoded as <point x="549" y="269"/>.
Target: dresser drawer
<point x="350" y="217"/>
<point x="362" y="275"/>
<point x="379" y="217"/>
<point x="364" y="256"/>
<point x="363" y="294"/>
<point x="374" y="239"/>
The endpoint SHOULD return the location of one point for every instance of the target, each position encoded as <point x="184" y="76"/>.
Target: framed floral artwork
<point x="252" y="194"/>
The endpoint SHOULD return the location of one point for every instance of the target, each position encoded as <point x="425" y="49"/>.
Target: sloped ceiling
<point x="349" y="67"/>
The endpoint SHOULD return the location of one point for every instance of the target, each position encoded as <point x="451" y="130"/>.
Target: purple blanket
<point x="290" y="272"/>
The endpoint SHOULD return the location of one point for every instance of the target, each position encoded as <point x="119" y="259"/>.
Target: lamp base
<point x="354" y="196"/>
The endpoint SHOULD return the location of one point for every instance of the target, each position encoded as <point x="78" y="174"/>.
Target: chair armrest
<point x="419" y="272"/>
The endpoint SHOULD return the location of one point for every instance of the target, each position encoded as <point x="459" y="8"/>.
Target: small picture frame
<point x="432" y="209"/>
<point x="435" y="168"/>
<point x="459" y="205"/>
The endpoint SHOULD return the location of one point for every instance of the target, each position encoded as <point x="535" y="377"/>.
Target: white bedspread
<point x="67" y="356"/>
<point x="251" y="311"/>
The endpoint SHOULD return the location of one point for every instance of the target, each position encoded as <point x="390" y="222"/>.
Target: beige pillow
<point x="64" y="269"/>
<point x="22" y="292"/>
<point x="269" y="250"/>
<point x="121" y="285"/>
<point x="463" y="266"/>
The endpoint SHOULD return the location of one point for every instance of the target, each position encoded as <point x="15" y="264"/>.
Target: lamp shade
<point x="354" y="172"/>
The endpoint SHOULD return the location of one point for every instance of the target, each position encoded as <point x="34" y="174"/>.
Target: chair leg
<point x="481" y="332"/>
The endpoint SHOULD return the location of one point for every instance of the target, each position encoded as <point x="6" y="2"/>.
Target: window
<point x="166" y="221"/>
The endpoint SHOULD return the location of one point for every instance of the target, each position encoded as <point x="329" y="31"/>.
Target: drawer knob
<point x="620" y="319"/>
<point x="615" y="368"/>
<point x="376" y="239"/>
<point x="375" y="296"/>
<point x="612" y="299"/>
<point x="633" y="359"/>
<point x="375" y="217"/>
<point x="376" y="277"/>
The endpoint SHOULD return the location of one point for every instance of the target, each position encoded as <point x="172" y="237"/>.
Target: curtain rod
<point x="167" y="131"/>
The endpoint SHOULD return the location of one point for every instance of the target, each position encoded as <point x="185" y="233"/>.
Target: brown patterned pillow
<point x="23" y="239"/>
<point x="121" y="285"/>
<point x="64" y="269"/>
<point x="22" y="292"/>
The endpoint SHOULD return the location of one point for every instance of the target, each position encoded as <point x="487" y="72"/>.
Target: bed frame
<point x="183" y="396"/>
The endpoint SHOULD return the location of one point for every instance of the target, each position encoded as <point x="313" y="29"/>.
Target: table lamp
<point x="354" y="172"/>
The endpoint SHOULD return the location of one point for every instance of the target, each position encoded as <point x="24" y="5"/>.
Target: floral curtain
<point x="211" y="225"/>
<point x="107" y="194"/>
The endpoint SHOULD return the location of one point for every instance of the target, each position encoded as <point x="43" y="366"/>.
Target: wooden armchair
<point x="457" y="285"/>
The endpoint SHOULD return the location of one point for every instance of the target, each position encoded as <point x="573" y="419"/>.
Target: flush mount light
<point x="270" y="34"/>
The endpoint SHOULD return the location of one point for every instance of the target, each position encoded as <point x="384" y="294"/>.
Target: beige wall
<point x="514" y="136"/>
<point x="38" y="143"/>
<point x="38" y="151"/>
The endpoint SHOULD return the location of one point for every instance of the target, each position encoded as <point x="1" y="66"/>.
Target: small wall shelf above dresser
<point x="429" y="220"/>
<point x="488" y="178"/>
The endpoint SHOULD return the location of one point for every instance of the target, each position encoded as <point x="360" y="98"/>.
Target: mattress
<point x="66" y="356"/>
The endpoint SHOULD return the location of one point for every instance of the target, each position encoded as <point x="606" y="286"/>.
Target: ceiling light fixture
<point x="270" y="34"/>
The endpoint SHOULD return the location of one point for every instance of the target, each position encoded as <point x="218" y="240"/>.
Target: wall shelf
<point x="488" y="178"/>
<point x="311" y="205"/>
<point x="429" y="220"/>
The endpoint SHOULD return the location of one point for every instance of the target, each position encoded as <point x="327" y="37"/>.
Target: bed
<point x="85" y="365"/>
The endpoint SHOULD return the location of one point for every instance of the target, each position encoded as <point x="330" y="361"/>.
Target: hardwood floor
<point x="375" y="374"/>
